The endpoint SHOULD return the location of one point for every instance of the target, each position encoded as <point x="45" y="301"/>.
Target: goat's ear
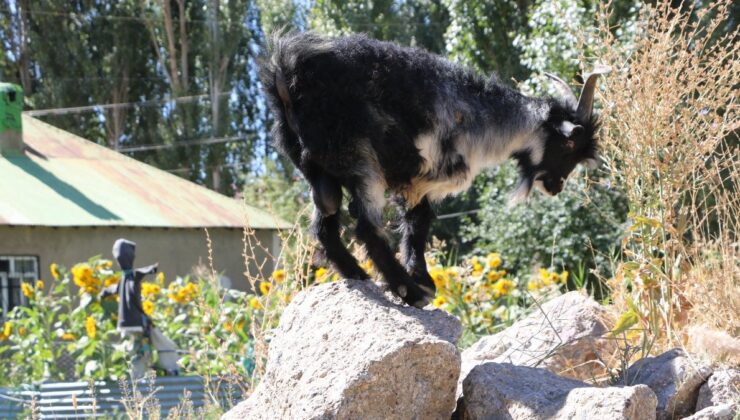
<point x="568" y="129"/>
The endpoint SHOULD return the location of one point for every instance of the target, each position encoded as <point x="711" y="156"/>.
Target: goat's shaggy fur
<point x="374" y="117"/>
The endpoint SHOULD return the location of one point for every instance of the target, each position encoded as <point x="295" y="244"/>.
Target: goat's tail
<point x="282" y="89"/>
<point x="277" y="72"/>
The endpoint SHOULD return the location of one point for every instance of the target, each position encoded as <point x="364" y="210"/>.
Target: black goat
<point x="372" y="117"/>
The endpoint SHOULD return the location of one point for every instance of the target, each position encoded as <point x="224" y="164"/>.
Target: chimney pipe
<point x="11" y="128"/>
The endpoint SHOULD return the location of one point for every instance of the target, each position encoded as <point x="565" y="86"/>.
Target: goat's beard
<point x="522" y="190"/>
<point x="527" y="174"/>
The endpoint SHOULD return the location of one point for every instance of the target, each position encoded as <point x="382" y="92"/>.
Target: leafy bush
<point x="55" y="322"/>
<point x="577" y="230"/>
<point x="280" y="194"/>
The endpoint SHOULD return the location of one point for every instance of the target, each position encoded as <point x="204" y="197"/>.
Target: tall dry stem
<point x="669" y="136"/>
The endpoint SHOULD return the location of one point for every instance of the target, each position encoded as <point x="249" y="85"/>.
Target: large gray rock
<point x="504" y="391"/>
<point x="343" y="350"/>
<point x="723" y="387"/>
<point x="564" y="336"/>
<point x="715" y="412"/>
<point x="675" y="379"/>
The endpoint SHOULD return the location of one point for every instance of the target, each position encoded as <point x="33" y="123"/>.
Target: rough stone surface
<point x="343" y="350"/>
<point x="675" y="379"/>
<point x="564" y="336"/>
<point x="715" y="412"/>
<point x="723" y="387"/>
<point x="505" y="391"/>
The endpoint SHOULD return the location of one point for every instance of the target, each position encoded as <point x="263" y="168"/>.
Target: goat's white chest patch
<point x="433" y="181"/>
<point x="429" y="151"/>
<point x="437" y="189"/>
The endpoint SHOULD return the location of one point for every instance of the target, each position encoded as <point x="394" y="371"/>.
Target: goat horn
<point x="563" y="88"/>
<point x="586" y="103"/>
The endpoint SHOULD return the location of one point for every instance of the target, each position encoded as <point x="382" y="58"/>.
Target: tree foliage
<point x="417" y="22"/>
<point x="481" y="35"/>
<point x="177" y="73"/>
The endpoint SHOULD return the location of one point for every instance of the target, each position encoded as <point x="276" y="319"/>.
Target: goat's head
<point x="568" y="139"/>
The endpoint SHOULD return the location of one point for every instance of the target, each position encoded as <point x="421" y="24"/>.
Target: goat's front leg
<point x="415" y="227"/>
<point x="369" y="232"/>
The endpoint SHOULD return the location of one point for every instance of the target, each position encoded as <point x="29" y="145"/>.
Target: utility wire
<point x="186" y="143"/>
<point x="358" y="23"/>
<point x="98" y="107"/>
<point x="223" y="165"/>
<point x="458" y="214"/>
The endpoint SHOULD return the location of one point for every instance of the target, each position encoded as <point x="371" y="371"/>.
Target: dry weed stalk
<point x="294" y="257"/>
<point x="670" y="142"/>
<point x="183" y="410"/>
<point x="136" y="405"/>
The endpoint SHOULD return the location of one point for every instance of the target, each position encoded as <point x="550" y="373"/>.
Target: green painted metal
<point x="64" y="180"/>
<point x="11" y="105"/>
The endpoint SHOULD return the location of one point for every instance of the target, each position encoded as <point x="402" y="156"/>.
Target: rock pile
<point x="674" y="378"/>
<point x="501" y="391"/>
<point x="346" y="350"/>
<point x="719" y="397"/>
<point x="564" y="336"/>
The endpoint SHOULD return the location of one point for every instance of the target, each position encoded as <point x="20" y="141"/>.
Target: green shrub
<point x="577" y="230"/>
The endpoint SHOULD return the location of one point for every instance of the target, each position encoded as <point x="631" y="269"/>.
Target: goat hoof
<point x="414" y="294"/>
<point x="428" y="292"/>
<point x="424" y="281"/>
<point x="358" y="275"/>
<point x="421" y="303"/>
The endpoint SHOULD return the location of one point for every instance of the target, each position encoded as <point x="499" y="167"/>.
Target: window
<point x="13" y="271"/>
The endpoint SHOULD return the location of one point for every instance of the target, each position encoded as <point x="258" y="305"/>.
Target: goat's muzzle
<point x="549" y="185"/>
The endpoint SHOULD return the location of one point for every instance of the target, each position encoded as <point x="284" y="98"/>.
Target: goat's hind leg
<point x="369" y="232"/>
<point x="327" y="196"/>
<point x="415" y="228"/>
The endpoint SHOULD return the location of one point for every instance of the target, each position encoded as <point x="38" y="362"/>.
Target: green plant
<point x="56" y="322"/>
<point x="484" y="295"/>
<point x="277" y="191"/>
<point x="580" y="228"/>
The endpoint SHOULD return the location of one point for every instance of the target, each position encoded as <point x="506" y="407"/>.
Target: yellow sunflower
<point x="91" y="327"/>
<point x="265" y="287"/>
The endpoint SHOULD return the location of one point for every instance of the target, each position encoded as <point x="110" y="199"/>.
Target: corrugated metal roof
<point x="64" y="180"/>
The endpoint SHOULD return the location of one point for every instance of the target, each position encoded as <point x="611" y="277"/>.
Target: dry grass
<point x="136" y="404"/>
<point x="670" y="142"/>
<point x="294" y="257"/>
